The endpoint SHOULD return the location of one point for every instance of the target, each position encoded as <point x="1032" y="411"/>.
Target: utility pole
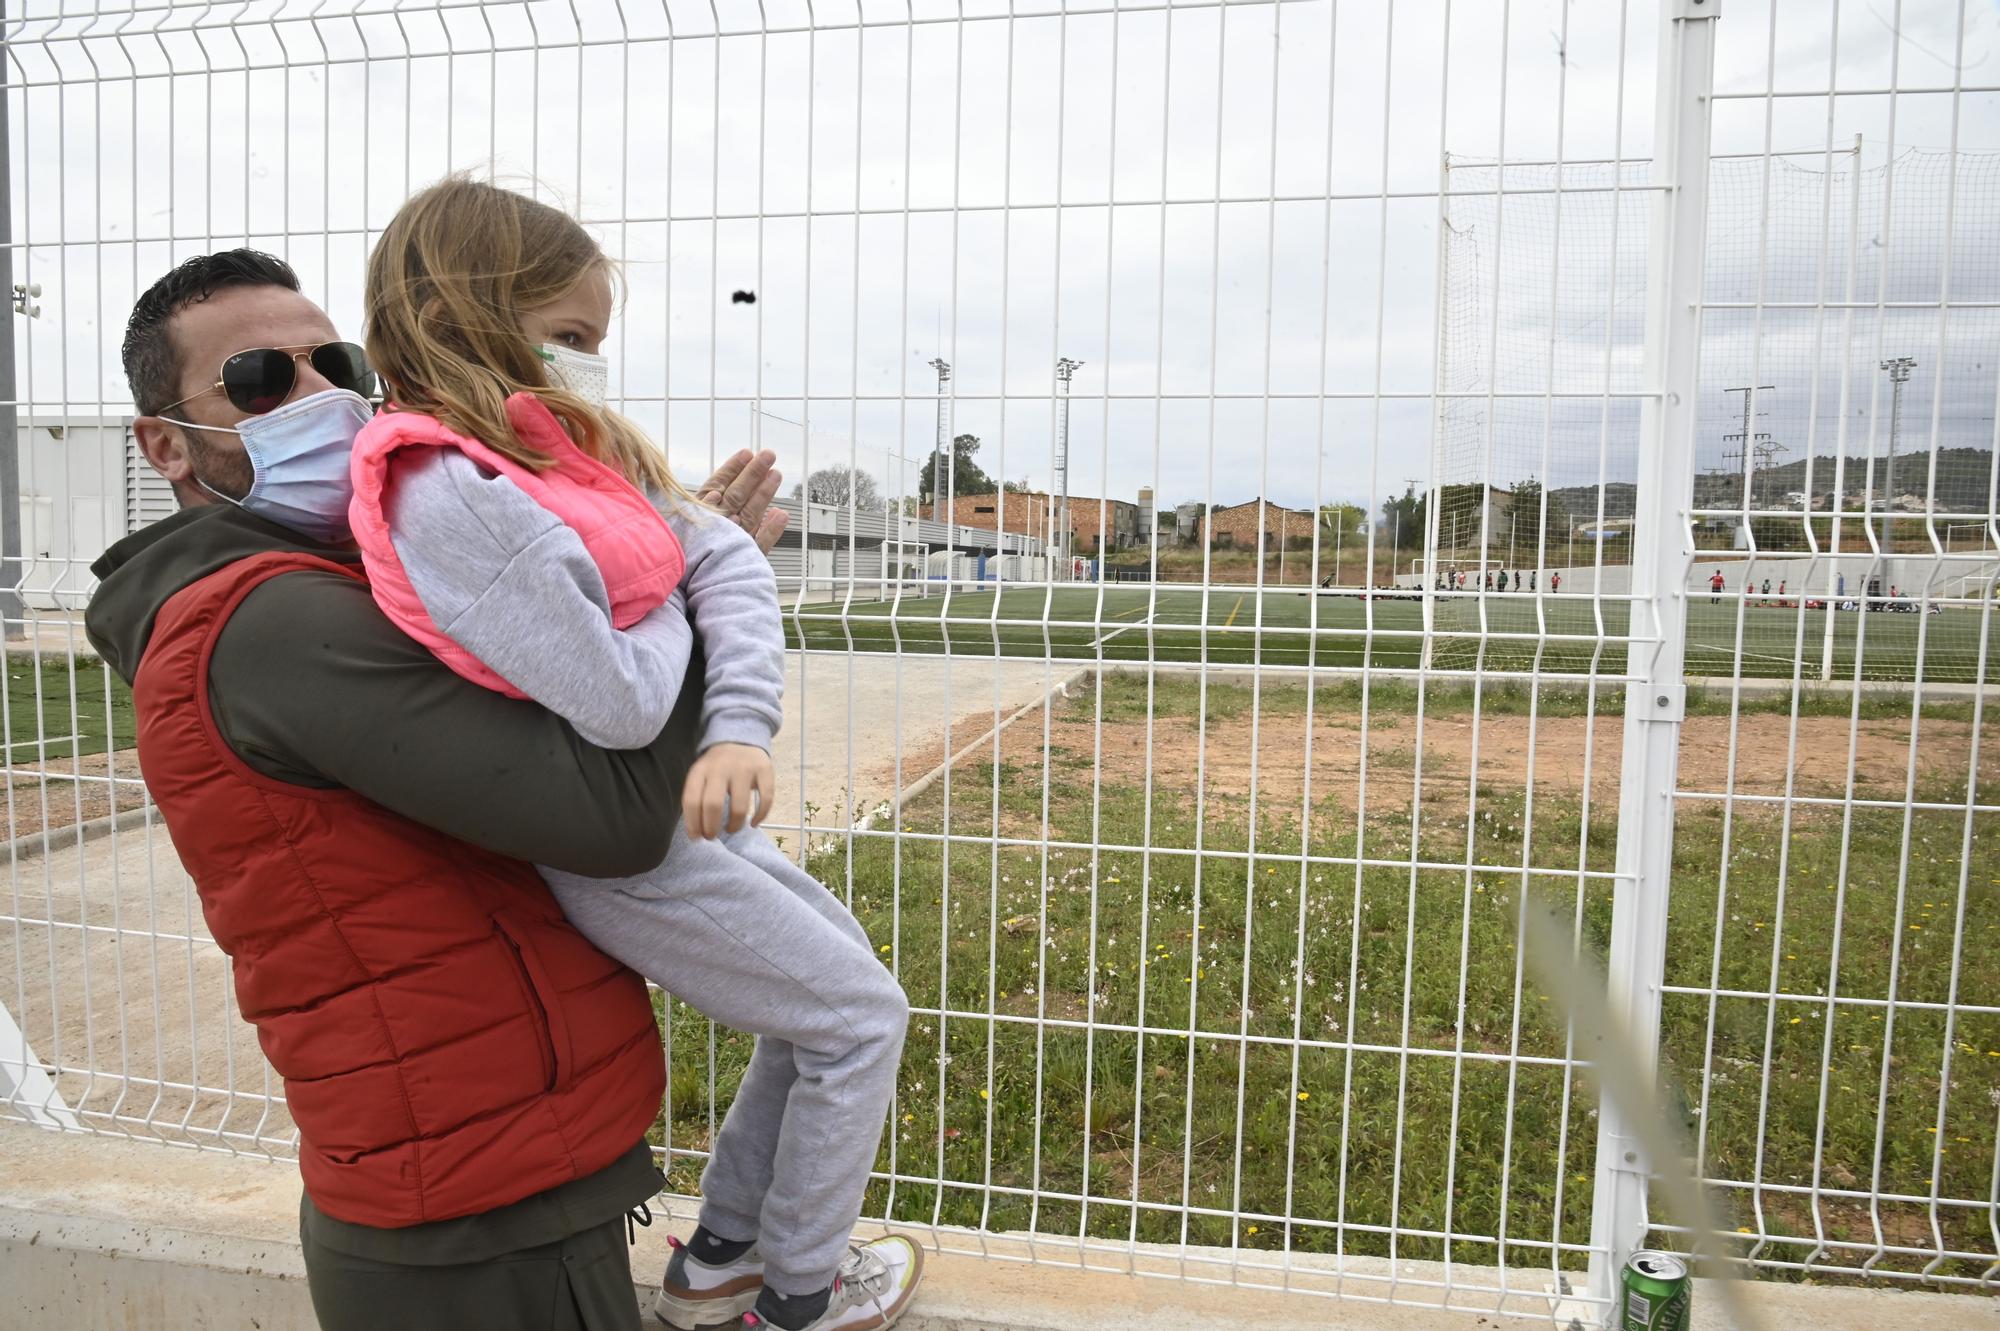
<point x="1065" y="369"/>
<point x="1899" y="368"/>
<point x="11" y="608"/>
<point x="1754" y="447"/>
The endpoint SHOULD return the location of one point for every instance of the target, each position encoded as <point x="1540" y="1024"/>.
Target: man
<point x="1715" y="587"/>
<point x="471" y="1080"/>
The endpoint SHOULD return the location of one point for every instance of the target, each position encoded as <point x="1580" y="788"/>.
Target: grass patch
<point x="1225" y="625"/>
<point x="77" y="704"/>
<point x="1173" y="693"/>
<point x="1315" y="1021"/>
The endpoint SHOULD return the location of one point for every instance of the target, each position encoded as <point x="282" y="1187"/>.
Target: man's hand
<point x="728" y="774"/>
<point x="742" y="489"/>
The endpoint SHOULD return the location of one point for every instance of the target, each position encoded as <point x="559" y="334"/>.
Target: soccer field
<point x="1240" y="626"/>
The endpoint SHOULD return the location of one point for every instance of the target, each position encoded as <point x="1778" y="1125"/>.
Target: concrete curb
<point x="37" y="844"/>
<point x="111" y="1232"/>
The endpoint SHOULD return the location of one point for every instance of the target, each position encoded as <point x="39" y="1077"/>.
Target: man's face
<point x="206" y="334"/>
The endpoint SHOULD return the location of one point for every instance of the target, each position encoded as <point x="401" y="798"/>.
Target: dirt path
<point x="1557" y="753"/>
<point x="69" y="790"/>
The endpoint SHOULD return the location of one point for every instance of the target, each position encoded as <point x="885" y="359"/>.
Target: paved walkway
<point x="848" y="716"/>
<point x="100" y="1232"/>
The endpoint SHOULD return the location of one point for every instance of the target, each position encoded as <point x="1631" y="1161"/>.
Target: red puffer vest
<point x="449" y="1043"/>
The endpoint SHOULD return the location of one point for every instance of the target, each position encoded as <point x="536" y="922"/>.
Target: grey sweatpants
<point x="747" y="938"/>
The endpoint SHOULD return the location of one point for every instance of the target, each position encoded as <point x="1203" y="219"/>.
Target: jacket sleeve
<point x="732" y="597"/>
<point x="310" y="683"/>
<point x="510" y="583"/>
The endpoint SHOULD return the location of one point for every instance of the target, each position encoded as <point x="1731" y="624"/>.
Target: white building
<point x="84" y="485"/>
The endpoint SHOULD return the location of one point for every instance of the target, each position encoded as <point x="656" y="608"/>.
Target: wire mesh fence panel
<point x="1224" y="450"/>
<point x="1828" y="1000"/>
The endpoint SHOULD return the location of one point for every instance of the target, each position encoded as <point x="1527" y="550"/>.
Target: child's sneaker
<point x="872" y="1290"/>
<point x="694" y="1293"/>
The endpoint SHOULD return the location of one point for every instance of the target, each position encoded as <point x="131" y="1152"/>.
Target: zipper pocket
<point x="537" y="1011"/>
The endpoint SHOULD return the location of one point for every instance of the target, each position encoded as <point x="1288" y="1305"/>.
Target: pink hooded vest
<point x="635" y="550"/>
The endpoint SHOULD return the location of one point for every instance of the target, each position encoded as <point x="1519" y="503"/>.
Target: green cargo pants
<point x="579" y="1283"/>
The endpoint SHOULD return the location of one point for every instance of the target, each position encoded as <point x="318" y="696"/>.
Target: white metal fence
<point x="1208" y="879"/>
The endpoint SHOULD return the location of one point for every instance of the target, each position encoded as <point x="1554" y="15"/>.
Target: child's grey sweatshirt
<point x="511" y="583"/>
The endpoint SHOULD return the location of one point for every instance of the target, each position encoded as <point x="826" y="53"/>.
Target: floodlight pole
<point x="1065" y="370"/>
<point x="1899" y="368"/>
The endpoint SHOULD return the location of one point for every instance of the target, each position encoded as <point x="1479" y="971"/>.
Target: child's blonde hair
<point x="458" y="266"/>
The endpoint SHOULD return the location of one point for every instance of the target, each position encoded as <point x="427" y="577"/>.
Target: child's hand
<point x="727" y="774"/>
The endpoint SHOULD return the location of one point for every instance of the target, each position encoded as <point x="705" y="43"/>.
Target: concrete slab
<point x="107" y="1233"/>
<point x="848" y="716"/>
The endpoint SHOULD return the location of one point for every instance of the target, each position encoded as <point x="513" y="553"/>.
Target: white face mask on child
<point x="578" y="372"/>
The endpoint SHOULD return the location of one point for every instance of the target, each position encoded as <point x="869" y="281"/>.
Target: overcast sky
<point x="1167" y="222"/>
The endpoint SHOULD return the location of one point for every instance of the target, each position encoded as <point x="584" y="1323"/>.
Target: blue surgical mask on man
<point x="299" y="462"/>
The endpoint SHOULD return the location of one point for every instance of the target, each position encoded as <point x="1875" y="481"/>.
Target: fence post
<point x="1661" y="554"/>
<point x="24" y="1086"/>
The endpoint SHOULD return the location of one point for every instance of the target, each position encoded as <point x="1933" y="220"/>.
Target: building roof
<point x="1074" y="500"/>
<point x="1252" y="503"/>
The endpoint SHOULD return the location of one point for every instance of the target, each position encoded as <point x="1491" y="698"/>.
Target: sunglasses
<point x="259" y="379"/>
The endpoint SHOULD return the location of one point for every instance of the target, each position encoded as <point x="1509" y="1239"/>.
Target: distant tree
<point x="1343" y="518"/>
<point x="1459" y="509"/>
<point x="1526" y="522"/>
<point x="964" y="478"/>
<point x="838" y="485"/>
<point x="1403" y="520"/>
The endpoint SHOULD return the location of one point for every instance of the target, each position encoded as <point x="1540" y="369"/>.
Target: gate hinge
<point x="1659" y="702"/>
<point x="1696" y="9"/>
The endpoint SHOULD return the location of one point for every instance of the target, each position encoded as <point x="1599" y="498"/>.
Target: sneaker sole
<point x="689" y="1314"/>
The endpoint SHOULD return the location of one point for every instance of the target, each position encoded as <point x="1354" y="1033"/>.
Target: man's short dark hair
<point x="152" y="361"/>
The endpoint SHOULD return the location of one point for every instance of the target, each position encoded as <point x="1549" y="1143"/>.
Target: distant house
<point x="1465" y="511"/>
<point x="1096" y="524"/>
<point x="1238" y="525"/>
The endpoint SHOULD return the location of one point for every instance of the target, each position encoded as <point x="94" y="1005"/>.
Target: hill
<point x="1964" y="476"/>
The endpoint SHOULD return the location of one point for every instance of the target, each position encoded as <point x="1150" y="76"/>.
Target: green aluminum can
<point x="1654" y="1294"/>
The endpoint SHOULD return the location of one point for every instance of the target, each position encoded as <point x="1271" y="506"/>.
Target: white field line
<point x="1103" y="638"/>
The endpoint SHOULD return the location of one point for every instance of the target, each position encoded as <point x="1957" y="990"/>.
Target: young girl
<point x="499" y="511"/>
